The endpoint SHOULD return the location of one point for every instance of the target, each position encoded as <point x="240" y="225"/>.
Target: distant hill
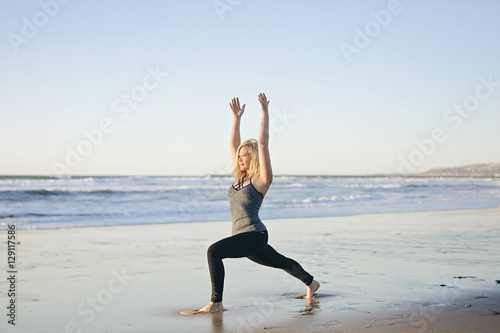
<point x="473" y="170"/>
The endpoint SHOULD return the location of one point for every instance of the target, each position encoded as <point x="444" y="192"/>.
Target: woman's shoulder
<point x="260" y="179"/>
<point x="259" y="184"/>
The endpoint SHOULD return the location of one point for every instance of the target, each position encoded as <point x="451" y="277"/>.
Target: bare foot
<point x="311" y="289"/>
<point x="212" y="307"/>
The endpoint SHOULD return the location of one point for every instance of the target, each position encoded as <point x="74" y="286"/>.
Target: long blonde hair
<point x="253" y="150"/>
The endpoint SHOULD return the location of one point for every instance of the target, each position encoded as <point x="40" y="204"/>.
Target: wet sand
<point x="404" y="272"/>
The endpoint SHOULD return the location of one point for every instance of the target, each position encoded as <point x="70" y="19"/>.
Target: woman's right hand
<point x="235" y="107"/>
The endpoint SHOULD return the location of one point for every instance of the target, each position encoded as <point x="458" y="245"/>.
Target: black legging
<point x="252" y="245"/>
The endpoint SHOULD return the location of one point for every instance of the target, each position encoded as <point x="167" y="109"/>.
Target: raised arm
<point x="266" y="172"/>
<point x="235" y="140"/>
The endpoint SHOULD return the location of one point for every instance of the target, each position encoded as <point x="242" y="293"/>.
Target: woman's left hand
<point x="263" y="102"/>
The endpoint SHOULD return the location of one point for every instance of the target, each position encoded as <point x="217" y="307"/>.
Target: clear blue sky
<point x="352" y="89"/>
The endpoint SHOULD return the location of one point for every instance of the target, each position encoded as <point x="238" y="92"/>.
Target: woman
<point x="253" y="174"/>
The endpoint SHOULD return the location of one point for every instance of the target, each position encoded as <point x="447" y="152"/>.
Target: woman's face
<point x="244" y="159"/>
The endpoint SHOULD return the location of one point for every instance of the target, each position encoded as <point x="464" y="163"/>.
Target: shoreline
<point x="4" y="227"/>
<point x="378" y="272"/>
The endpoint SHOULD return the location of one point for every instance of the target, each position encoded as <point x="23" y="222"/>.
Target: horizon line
<point x="401" y="175"/>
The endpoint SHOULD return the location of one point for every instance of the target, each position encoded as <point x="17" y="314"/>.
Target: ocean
<point x="34" y="202"/>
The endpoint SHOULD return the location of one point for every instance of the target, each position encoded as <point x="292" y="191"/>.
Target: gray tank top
<point x="245" y="205"/>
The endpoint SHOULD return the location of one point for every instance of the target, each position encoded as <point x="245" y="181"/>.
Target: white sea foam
<point x="41" y="202"/>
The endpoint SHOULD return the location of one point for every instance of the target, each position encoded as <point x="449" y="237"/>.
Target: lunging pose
<point x="253" y="176"/>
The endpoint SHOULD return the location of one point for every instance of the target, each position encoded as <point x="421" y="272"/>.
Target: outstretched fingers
<point x="233" y="103"/>
<point x="263" y="100"/>
<point x="235" y="107"/>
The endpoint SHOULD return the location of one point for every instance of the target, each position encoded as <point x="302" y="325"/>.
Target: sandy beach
<point x="398" y="272"/>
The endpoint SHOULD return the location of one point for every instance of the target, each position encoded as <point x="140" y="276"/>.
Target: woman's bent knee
<point x="212" y="250"/>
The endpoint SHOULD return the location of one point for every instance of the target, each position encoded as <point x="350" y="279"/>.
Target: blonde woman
<point x="253" y="176"/>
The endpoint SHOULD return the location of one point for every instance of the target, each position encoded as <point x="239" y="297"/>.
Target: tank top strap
<point x="240" y="184"/>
